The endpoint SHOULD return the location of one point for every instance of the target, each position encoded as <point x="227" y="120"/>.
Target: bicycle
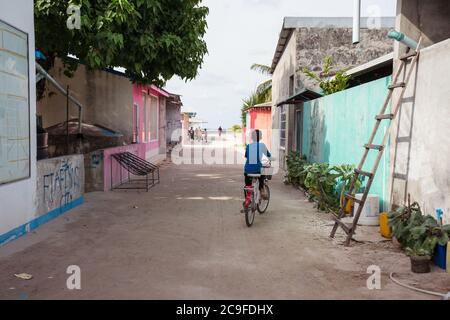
<point x="257" y="202"/>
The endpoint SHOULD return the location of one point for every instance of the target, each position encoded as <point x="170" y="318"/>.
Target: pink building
<point x="114" y="105"/>
<point x="259" y="117"/>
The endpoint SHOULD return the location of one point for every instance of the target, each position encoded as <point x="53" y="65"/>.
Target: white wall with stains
<point x="17" y="199"/>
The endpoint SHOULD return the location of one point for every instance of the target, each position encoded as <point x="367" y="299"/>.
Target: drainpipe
<point x="44" y="73"/>
<point x="356" y="21"/>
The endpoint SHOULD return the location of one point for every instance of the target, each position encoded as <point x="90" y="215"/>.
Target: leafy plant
<point x="328" y="84"/>
<point x="418" y="234"/>
<point x="264" y="89"/>
<point x="320" y="181"/>
<point x="402" y="220"/>
<point x="346" y="174"/>
<point x="296" y="173"/>
<point x="236" y="128"/>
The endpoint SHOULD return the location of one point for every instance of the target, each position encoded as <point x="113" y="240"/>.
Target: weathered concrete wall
<point x="314" y="44"/>
<point x="427" y="18"/>
<point x="423" y="134"/>
<point x="94" y="171"/>
<point x="107" y="99"/>
<point x="285" y="69"/>
<point x="337" y="126"/>
<point x="60" y="181"/>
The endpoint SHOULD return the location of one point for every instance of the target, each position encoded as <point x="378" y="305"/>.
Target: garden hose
<point x="444" y="296"/>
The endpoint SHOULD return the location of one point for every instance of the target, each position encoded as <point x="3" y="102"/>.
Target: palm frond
<point x="261" y="68"/>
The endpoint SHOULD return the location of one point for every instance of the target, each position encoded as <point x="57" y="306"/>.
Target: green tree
<point x="264" y="89"/>
<point x="152" y="39"/>
<point x="236" y="128"/>
<point x="328" y="84"/>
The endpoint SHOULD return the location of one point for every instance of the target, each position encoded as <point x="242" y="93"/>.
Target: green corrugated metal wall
<point x="336" y="127"/>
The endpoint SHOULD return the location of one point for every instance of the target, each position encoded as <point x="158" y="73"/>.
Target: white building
<point x="31" y="192"/>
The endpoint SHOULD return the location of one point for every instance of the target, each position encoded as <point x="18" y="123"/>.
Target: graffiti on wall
<point x="61" y="186"/>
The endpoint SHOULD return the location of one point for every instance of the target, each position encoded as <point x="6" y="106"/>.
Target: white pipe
<point x="356" y="20"/>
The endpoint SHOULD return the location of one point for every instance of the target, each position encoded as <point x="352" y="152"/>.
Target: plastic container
<point x="448" y="257"/>
<point x="370" y="215"/>
<point x="440" y="256"/>
<point x="385" y="229"/>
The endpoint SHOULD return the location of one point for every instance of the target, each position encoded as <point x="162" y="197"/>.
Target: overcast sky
<point x="243" y="32"/>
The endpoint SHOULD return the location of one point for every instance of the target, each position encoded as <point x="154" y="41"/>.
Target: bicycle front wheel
<point x="264" y="203"/>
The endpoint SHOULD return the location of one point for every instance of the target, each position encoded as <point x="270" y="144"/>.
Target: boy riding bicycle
<point x="253" y="165"/>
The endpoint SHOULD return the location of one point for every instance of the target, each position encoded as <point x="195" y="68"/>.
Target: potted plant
<point x="423" y="240"/>
<point x="402" y="220"/>
<point x="420" y="259"/>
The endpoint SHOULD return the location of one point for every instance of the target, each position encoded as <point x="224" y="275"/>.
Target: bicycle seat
<point x="254" y="175"/>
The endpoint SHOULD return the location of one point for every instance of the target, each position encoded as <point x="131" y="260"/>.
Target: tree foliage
<point x="152" y="39"/>
<point x="262" y="94"/>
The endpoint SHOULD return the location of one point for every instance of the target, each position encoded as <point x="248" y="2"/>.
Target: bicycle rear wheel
<point x="264" y="204"/>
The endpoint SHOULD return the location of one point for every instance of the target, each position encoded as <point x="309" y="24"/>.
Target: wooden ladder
<point x="350" y="229"/>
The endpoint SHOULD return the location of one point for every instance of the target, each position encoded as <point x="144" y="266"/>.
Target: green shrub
<point x="295" y="169"/>
<point x="320" y="181"/>
<point x="418" y="234"/>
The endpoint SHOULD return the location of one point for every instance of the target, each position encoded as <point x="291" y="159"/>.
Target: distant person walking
<point x="205" y="134"/>
<point x="220" y="131"/>
<point x="191" y="134"/>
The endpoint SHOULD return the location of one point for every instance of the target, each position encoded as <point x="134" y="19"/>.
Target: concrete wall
<point x="286" y="68"/>
<point x="60" y="183"/>
<point x="423" y="134"/>
<point x="314" y="44"/>
<point x="17" y="199"/>
<point x="427" y="18"/>
<point x="337" y="126"/>
<point x="94" y="167"/>
<point x="106" y="97"/>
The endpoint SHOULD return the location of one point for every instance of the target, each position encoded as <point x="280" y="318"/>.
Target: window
<point x="283" y="127"/>
<point x="135" y="123"/>
<point x="291" y="86"/>
<point x="146" y="115"/>
<point x="14" y="105"/>
<point x="154" y="118"/>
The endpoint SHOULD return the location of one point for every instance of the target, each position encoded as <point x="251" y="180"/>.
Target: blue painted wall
<point x="336" y="127"/>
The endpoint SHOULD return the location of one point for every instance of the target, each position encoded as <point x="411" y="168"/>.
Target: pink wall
<point x="138" y="92"/>
<point x="261" y="118"/>
<point x="141" y="149"/>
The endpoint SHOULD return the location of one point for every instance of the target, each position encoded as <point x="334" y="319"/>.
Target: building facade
<point x="421" y="134"/>
<point x="304" y="43"/>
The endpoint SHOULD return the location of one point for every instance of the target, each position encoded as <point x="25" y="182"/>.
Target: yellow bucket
<point x="349" y="206"/>
<point x="385" y="230"/>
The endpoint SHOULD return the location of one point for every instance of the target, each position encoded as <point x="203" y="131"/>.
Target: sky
<point x="243" y="32"/>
